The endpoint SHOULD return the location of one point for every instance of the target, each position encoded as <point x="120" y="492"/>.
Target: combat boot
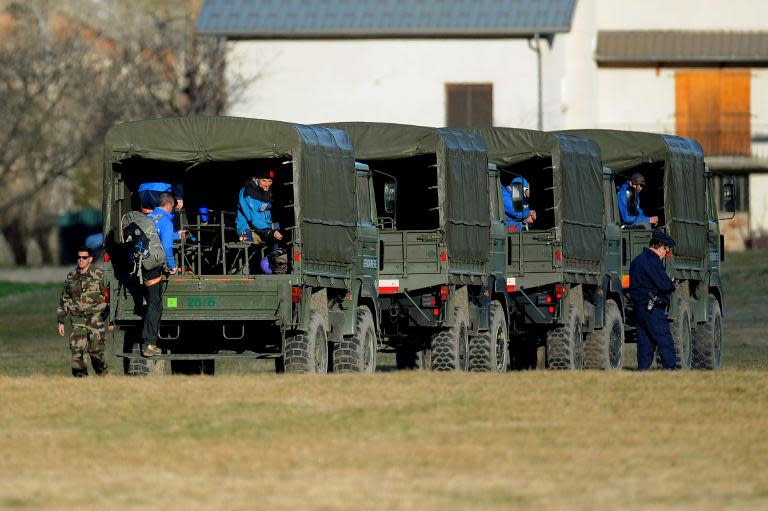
<point x="150" y="350"/>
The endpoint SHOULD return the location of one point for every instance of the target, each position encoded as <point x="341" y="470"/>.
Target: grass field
<point x="413" y="440"/>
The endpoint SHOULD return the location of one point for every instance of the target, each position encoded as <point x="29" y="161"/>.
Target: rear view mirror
<point x="729" y="198"/>
<point x="518" y="197"/>
<point x="632" y="210"/>
<point x="390" y="196"/>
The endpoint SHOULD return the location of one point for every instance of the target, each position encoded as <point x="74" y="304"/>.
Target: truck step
<point x="201" y="356"/>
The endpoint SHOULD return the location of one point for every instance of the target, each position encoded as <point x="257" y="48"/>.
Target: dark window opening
<point x="652" y="194"/>
<point x="538" y="172"/>
<point x="416" y="204"/>
<point x="213" y="247"/>
<point x="469" y="105"/>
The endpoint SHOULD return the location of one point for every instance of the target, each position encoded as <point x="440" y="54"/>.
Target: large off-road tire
<point x="604" y="348"/>
<point x="682" y="335"/>
<point x="357" y="353"/>
<point x="307" y="352"/>
<point x="140" y="366"/>
<point x="565" y="344"/>
<point x="707" y="344"/>
<point x="488" y="351"/>
<point x="450" y="346"/>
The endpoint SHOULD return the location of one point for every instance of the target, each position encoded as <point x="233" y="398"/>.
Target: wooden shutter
<point x="469" y="105"/>
<point x="712" y="107"/>
<point x="734" y="112"/>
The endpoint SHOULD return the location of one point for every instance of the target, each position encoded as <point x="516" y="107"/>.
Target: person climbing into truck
<point x="640" y="220"/>
<point x="517" y="220"/>
<point x="254" y="220"/>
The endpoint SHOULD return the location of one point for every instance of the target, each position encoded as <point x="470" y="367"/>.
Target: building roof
<point x="335" y="19"/>
<point x="658" y="47"/>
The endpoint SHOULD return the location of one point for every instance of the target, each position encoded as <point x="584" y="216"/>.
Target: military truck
<point x="440" y="309"/>
<point x="563" y="271"/>
<point x="679" y="190"/>
<point x="321" y="315"/>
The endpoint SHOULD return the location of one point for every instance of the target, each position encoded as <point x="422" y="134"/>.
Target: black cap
<point x="264" y="173"/>
<point x="638" y="178"/>
<point x="664" y="238"/>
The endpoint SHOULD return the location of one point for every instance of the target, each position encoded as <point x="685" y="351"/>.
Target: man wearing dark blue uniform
<point x="650" y="288"/>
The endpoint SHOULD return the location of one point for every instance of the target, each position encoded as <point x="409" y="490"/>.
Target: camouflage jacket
<point x="83" y="296"/>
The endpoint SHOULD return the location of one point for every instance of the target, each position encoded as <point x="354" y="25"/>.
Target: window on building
<point x="741" y="191"/>
<point x="469" y="105"/>
<point x="713" y="107"/>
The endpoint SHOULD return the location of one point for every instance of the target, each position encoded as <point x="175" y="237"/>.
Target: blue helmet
<point x="522" y="181"/>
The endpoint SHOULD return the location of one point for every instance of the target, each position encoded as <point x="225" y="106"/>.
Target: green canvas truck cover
<point x="323" y="169"/>
<point x="684" y="183"/>
<point x="462" y="169"/>
<point x="577" y="181"/>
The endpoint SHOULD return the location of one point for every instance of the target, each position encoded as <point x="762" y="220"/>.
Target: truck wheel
<point x="450" y="346"/>
<point x="708" y="339"/>
<point x="604" y="348"/>
<point x="307" y="352"/>
<point x="488" y="351"/>
<point x="357" y="353"/>
<point x="681" y="333"/>
<point x="140" y="366"/>
<point x="565" y="344"/>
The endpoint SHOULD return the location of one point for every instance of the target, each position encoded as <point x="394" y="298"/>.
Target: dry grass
<point x="387" y="441"/>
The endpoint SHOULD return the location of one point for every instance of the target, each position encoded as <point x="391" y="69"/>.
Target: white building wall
<point x="388" y="80"/>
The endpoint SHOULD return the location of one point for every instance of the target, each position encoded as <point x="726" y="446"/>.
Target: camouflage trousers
<point x="88" y="337"/>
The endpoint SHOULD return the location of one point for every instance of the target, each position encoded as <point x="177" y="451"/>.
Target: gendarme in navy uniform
<point x="650" y="288"/>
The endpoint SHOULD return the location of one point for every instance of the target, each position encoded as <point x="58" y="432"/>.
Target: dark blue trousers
<point x="653" y="333"/>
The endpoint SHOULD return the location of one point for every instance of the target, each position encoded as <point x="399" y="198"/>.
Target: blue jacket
<point x="177" y="189"/>
<point x="514" y="218"/>
<point x="647" y="275"/>
<point x="249" y="214"/>
<point x="622" y="199"/>
<point x="164" y="223"/>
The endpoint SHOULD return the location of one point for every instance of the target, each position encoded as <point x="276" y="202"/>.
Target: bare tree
<point x="65" y="80"/>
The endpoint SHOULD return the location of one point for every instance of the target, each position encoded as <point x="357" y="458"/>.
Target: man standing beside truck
<point x="163" y="219"/>
<point x="650" y="289"/>
<point x="84" y="302"/>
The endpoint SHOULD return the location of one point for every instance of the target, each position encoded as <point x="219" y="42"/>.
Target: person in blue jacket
<point x="517" y="220"/>
<point x="641" y="220"/>
<point x="254" y="209"/>
<point x="162" y="216"/>
<point x="650" y="289"/>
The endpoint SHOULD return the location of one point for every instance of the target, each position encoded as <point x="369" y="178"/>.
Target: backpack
<point x="140" y="235"/>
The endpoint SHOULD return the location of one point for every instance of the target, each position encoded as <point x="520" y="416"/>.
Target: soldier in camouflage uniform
<point x="84" y="302"/>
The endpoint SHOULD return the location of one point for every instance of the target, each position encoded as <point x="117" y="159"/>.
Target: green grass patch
<point x="14" y="288"/>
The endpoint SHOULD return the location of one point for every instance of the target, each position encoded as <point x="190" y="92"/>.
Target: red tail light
<point x="560" y="291"/>
<point x="444" y="292"/>
<point x="296" y="256"/>
<point x="436" y="312"/>
<point x="296" y="294"/>
<point x="548" y="299"/>
<point x="558" y="255"/>
<point x="106" y="257"/>
<point x="551" y="309"/>
<point x="443" y="256"/>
